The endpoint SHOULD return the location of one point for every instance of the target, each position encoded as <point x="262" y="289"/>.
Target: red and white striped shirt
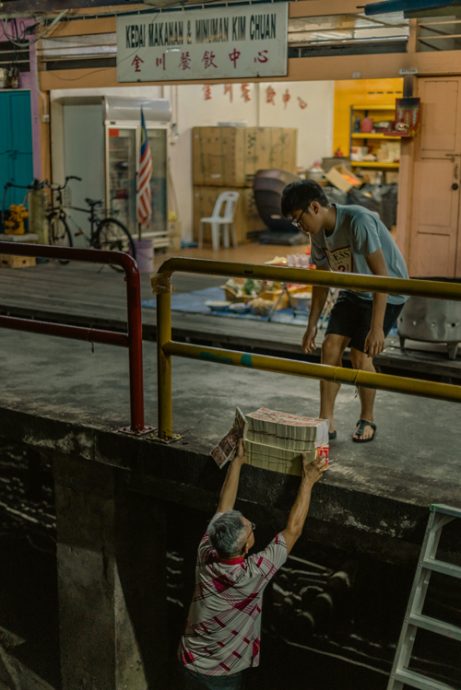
<point x="223" y="629"/>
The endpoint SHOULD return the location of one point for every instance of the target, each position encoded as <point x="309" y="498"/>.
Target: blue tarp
<point x="195" y="303"/>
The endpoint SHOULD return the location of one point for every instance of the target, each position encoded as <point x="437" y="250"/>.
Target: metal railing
<point x="167" y="347"/>
<point x="132" y="339"/>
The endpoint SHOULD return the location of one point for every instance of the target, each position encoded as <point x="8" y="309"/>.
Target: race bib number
<point x="340" y="259"/>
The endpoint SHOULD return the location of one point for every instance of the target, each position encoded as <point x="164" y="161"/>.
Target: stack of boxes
<point x="228" y="158"/>
<point x="275" y="440"/>
<point x="16" y="261"/>
<point x="25" y="226"/>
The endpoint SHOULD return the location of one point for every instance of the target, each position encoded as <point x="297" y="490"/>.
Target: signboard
<point x="225" y="42"/>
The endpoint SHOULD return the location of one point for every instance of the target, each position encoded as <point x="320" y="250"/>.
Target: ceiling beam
<point x="412" y="7"/>
<point x="323" y="8"/>
<point x="29" y="8"/>
<point x="299" y="69"/>
<point x="301" y="8"/>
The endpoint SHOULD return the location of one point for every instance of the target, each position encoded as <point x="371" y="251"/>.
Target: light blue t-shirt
<point x="357" y="233"/>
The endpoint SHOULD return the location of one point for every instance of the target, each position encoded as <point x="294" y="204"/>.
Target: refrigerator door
<point x="158" y="147"/>
<point x="121" y="175"/>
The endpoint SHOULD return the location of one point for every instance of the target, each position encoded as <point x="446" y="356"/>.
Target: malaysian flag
<point x="143" y="191"/>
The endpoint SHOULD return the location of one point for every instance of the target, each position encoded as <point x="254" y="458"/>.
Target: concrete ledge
<point x="350" y="517"/>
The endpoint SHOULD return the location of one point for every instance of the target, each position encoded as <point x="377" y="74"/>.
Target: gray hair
<point x="227" y="533"/>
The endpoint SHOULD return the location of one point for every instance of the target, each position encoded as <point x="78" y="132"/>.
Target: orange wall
<point x="359" y="92"/>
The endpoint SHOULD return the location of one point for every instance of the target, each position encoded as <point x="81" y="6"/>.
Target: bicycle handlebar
<point x="60" y="187"/>
<point x="36" y="184"/>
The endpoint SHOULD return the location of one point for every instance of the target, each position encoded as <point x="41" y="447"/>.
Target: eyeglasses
<point x="296" y="222"/>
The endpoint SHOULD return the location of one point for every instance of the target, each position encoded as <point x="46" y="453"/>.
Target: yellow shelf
<point x="373" y="107"/>
<point x="375" y="164"/>
<point x="363" y="135"/>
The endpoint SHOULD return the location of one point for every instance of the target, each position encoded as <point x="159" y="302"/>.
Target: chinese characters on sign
<point x="270" y="95"/>
<point x="302" y="103"/>
<point x="245" y="94"/>
<point x="249" y="41"/>
<point x="286" y="98"/>
<point x="208" y="59"/>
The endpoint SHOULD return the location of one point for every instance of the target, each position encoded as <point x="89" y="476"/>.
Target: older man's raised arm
<point x="312" y="472"/>
<point x="230" y="486"/>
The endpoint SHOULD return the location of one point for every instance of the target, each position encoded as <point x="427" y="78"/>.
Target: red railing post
<point x="133" y="296"/>
<point x="132" y="339"/>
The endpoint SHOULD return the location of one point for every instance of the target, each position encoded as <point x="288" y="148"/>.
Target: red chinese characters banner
<point x="225" y="42"/>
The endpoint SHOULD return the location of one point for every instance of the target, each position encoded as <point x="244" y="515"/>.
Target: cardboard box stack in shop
<point x="228" y="158"/>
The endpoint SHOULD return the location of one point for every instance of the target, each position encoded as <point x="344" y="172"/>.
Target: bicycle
<point x="106" y="233"/>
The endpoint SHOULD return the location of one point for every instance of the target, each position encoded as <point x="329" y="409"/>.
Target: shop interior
<point x="338" y="133"/>
<point x="221" y="156"/>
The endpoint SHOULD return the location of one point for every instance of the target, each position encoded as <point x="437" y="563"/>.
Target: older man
<point x="222" y="636"/>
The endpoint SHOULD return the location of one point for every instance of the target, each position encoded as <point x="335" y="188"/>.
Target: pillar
<point x="111" y="580"/>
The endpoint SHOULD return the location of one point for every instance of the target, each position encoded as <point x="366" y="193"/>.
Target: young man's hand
<point x="309" y="339"/>
<point x="313" y="471"/>
<point x="374" y="342"/>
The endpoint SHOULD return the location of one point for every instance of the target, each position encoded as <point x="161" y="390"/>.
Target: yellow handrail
<point x="166" y="347"/>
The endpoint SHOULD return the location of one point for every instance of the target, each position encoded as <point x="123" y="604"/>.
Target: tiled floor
<point x="249" y="253"/>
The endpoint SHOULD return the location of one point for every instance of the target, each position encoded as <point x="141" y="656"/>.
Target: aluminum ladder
<point x="401" y="676"/>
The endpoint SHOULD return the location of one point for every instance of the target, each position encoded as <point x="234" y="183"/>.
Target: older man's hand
<point x="241" y="457"/>
<point x="313" y="471"/>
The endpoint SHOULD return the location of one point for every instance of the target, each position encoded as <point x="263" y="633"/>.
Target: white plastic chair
<point x="221" y="218"/>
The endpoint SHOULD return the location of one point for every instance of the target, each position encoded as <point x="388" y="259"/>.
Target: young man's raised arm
<point x="312" y="472"/>
<point x="230" y="486"/>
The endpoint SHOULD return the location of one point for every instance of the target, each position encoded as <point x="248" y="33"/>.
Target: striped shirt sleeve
<point x="268" y="562"/>
<point x="205" y="547"/>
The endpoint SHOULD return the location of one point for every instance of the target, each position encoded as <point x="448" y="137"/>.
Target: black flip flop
<point x="332" y="435"/>
<point x="360" y="428"/>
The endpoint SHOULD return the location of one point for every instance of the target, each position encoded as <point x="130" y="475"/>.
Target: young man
<point x="351" y="239"/>
<point x="222" y="636"/>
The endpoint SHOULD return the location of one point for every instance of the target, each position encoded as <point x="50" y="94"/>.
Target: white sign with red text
<point x="226" y="42"/>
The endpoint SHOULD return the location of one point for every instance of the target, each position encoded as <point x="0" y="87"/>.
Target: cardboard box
<point x="246" y="214"/>
<point x="342" y="178"/>
<point x="230" y="156"/>
<point x="16" y="261"/>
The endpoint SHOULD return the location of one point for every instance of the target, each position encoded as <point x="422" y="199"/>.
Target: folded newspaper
<point x="227" y="448"/>
<point x="274" y="440"/>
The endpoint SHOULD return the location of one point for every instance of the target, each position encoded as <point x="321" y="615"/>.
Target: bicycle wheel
<point x="111" y="235"/>
<point x="59" y="234"/>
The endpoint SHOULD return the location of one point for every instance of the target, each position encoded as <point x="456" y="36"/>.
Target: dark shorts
<point x="351" y="316"/>
<point x="199" y="681"/>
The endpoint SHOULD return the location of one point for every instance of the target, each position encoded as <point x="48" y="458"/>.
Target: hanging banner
<point x="407" y="112"/>
<point x="226" y="42"/>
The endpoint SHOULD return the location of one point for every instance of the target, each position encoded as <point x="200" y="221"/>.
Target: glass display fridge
<point x="122" y="143"/>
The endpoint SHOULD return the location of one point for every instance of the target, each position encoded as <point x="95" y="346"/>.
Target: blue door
<point x="16" y="163"/>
